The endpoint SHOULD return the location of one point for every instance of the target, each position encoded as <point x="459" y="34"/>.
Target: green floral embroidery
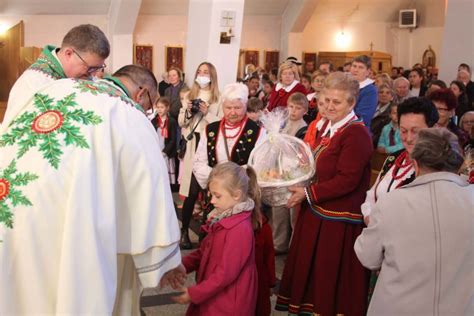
<point x="43" y="127"/>
<point x="102" y="87"/>
<point x="48" y="64"/>
<point x="10" y="195"/>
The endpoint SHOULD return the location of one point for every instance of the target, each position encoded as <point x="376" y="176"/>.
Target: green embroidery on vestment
<point x="102" y="87"/>
<point x="43" y="127"/>
<point x="48" y="64"/>
<point x="10" y="195"/>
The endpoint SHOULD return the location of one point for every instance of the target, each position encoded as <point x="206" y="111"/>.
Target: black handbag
<point x="183" y="142"/>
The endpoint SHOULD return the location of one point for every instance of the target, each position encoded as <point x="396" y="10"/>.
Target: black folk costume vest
<point x="244" y="145"/>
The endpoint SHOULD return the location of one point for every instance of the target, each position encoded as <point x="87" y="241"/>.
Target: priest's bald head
<point x="140" y="83"/>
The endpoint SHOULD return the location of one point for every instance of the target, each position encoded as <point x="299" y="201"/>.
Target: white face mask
<point x="203" y="81"/>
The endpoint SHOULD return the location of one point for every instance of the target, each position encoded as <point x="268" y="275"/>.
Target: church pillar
<point x="458" y="42"/>
<point x="206" y="20"/>
<point x="294" y="20"/>
<point x="122" y="17"/>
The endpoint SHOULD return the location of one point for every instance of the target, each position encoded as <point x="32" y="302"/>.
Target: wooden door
<point x="10" y="44"/>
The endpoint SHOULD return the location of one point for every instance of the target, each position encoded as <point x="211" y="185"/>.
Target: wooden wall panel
<point x="381" y="62"/>
<point x="10" y="44"/>
<point x="3" y="107"/>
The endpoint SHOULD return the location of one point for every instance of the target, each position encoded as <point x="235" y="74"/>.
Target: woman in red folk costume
<point x="288" y="83"/>
<point x="322" y="274"/>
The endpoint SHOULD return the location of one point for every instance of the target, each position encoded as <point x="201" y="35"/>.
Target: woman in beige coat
<point x="193" y="121"/>
<point x="421" y="236"/>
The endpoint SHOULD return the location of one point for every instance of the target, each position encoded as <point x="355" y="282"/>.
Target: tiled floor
<point x="158" y="301"/>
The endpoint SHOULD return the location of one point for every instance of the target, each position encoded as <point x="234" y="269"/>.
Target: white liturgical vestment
<point x="86" y="212"/>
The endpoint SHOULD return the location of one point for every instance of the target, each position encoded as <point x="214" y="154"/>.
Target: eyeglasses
<point x="468" y="122"/>
<point x="149" y="96"/>
<point x="90" y="69"/>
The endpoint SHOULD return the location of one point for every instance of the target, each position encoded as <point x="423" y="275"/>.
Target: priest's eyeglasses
<point x="90" y="69"/>
<point x="149" y="96"/>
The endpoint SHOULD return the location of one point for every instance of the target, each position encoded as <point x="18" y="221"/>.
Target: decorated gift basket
<point x="280" y="161"/>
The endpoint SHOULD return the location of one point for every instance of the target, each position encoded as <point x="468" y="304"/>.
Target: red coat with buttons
<point x="226" y="270"/>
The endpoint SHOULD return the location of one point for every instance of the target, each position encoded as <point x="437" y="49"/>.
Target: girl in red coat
<point x="225" y="262"/>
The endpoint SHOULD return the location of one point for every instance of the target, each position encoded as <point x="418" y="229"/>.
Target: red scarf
<point x="163" y="126"/>
<point x="224" y="125"/>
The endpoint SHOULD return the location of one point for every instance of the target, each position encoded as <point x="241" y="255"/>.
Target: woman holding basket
<point x="322" y="274"/>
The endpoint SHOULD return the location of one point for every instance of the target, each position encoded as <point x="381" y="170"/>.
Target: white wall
<point x="258" y="32"/>
<point x="261" y="32"/>
<point x="458" y="45"/>
<point x="161" y="31"/>
<point x="41" y="30"/>
<point x="406" y="47"/>
<point x="321" y="36"/>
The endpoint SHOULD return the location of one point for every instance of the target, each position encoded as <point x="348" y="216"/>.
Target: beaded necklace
<point x="402" y="161"/>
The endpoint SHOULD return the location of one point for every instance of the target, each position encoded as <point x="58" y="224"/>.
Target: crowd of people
<point x="106" y="224"/>
<point x="345" y="116"/>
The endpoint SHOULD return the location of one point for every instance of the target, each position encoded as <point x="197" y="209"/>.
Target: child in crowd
<point x="317" y="84"/>
<point x="390" y="141"/>
<point x="255" y="109"/>
<point x="283" y="219"/>
<point x="167" y="129"/>
<point x="182" y="94"/>
<point x="306" y="82"/>
<point x="297" y="108"/>
<point x="315" y="126"/>
<point x="225" y="262"/>
<point x="267" y="90"/>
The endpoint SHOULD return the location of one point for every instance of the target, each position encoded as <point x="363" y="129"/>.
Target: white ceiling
<point x="431" y="11"/>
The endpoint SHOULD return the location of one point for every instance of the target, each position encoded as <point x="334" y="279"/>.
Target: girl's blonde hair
<point x="214" y="85"/>
<point x="243" y="179"/>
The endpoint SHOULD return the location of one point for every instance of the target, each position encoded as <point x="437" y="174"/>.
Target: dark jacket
<point x="172" y="140"/>
<point x="173" y="93"/>
<point x="162" y="87"/>
<point x="377" y="124"/>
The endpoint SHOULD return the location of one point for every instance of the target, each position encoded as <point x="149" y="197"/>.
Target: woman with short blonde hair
<point x="288" y="83"/>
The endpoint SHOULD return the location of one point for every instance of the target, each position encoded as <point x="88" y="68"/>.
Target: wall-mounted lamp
<point x="343" y="39"/>
<point x="3" y="31"/>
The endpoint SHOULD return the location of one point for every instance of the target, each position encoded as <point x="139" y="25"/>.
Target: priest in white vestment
<point x="86" y="212"/>
<point x="82" y="53"/>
